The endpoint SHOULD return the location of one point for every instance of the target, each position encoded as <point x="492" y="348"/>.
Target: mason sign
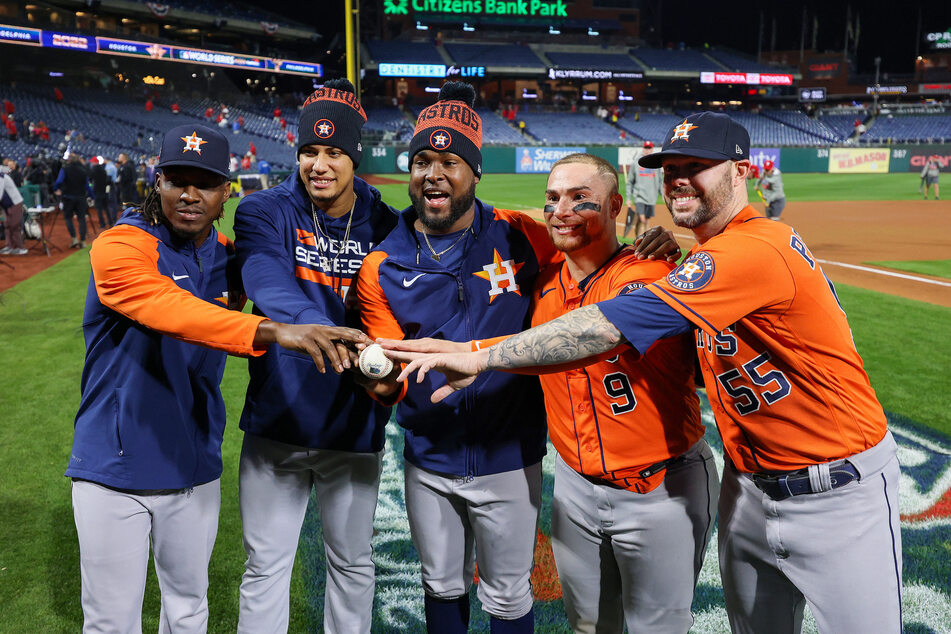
<point x="527" y="8"/>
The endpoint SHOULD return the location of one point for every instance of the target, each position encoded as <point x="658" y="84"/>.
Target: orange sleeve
<point x="125" y="269"/>
<point x="375" y="313"/>
<point x="716" y="285"/>
<point x="537" y="234"/>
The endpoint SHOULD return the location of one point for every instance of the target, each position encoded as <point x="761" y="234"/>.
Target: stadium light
<point x="553" y="31"/>
<point x="592" y="32"/>
<point x="421" y="27"/>
<point x="467" y="27"/>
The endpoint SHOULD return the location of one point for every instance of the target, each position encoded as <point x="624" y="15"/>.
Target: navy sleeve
<point x="60" y="178"/>
<point x="643" y="318"/>
<point x="268" y="268"/>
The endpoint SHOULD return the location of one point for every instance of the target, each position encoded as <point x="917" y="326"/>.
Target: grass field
<point x="905" y="345"/>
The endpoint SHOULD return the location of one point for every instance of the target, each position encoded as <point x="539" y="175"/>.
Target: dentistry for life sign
<point x="538" y="160"/>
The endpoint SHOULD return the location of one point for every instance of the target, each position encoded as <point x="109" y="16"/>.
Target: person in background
<point x="641" y="191"/>
<point x="72" y="185"/>
<point x="12" y="203"/>
<point x="929" y="175"/>
<point x="771" y="186"/>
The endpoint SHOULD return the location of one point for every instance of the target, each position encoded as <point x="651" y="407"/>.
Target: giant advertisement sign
<point x="131" y="48"/>
<point x="858" y="160"/>
<point x="538" y="160"/>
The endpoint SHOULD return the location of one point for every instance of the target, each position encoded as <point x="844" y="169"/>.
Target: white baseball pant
<point x="626" y="557"/>
<point x="839" y="550"/>
<point x="275" y="481"/>
<point x="456" y="522"/>
<point x="115" y="528"/>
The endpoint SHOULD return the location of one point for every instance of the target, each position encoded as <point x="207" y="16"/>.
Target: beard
<point x="710" y="204"/>
<point x="458" y="206"/>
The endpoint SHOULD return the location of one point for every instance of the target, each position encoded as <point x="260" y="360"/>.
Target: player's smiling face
<point x="697" y="190"/>
<point x="192" y="199"/>
<point x="579" y="207"/>
<point x="327" y="174"/>
<point x="442" y="189"/>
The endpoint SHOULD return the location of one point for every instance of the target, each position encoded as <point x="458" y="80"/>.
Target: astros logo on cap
<point x="192" y="143"/>
<point x="440" y="139"/>
<point x="694" y="274"/>
<point x="681" y="131"/>
<point x="324" y="128"/>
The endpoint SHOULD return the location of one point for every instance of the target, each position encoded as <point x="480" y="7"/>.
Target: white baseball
<point x="374" y="363"/>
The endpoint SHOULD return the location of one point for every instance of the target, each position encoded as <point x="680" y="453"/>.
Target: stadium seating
<point x="742" y="64"/>
<point x="387" y="124"/>
<point x="903" y="128"/>
<point x="766" y="132"/>
<point x="497" y="131"/>
<point x="515" y="55"/>
<point x="596" y="61"/>
<point x="649" y="127"/>
<point x="801" y="121"/>
<point x="578" y="128"/>
<point x="398" y="51"/>
<point x="674" y="60"/>
<point x="843" y="125"/>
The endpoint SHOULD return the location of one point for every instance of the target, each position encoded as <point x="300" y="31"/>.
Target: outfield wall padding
<point x="499" y="159"/>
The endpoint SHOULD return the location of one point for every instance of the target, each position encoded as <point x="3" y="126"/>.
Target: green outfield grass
<point x="935" y="268"/>
<point x="905" y="345"/>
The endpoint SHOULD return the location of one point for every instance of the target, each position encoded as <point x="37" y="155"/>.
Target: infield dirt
<point x="837" y="233"/>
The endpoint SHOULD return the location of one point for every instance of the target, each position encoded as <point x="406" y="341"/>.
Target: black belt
<point x="782" y="486"/>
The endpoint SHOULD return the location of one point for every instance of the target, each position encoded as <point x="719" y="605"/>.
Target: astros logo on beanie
<point x="451" y="125"/>
<point x="333" y="116"/>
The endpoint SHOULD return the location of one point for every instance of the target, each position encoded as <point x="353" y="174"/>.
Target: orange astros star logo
<point x="193" y="143"/>
<point x="501" y="274"/>
<point x="681" y="131"/>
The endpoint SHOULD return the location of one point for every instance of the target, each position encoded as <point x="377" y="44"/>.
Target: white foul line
<point x="903" y="276"/>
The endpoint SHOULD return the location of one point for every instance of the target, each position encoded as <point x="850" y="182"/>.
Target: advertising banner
<point x="758" y="155"/>
<point x="538" y="160"/>
<point x="918" y="156"/>
<point x="858" y="160"/>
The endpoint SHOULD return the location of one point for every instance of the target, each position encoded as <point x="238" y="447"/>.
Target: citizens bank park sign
<point x="525" y="8"/>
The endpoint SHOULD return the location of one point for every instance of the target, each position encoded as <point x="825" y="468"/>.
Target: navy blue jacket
<point x="157" y="336"/>
<point x="496" y="424"/>
<point x="293" y="275"/>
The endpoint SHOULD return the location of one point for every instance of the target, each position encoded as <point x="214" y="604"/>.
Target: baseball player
<point x="627" y="431"/>
<point x="299" y="245"/>
<point x="457" y="269"/>
<point x="929" y="175"/>
<point x="808" y="507"/>
<point x="641" y="190"/>
<point x="146" y="454"/>
<point x="770" y="184"/>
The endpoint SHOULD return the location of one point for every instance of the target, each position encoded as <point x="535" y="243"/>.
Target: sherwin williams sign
<point x="538" y="160"/>
<point x="525" y="8"/>
<point x="858" y="161"/>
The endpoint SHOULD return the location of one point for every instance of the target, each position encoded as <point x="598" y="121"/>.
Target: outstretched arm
<point x="579" y="334"/>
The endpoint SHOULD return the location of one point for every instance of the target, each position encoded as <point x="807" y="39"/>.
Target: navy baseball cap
<point x="708" y="135"/>
<point x="194" y="145"/>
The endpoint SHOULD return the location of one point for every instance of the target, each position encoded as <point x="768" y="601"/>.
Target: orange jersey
<point x="617" y="417"/>
<point x="785" y="381"/>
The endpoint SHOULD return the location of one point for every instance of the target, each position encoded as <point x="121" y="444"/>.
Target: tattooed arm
<point x="581" y="333"/>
